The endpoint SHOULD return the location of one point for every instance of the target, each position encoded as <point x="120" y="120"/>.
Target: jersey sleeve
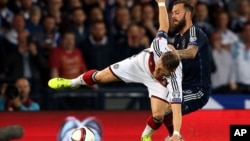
<point x="196" y="37"/>
<point x="175" y="86"/>
<point x="159" y="44"/>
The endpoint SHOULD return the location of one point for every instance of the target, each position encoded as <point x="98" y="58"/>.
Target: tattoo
<point x="188" y="53"/>
<point x="184" y="54"/>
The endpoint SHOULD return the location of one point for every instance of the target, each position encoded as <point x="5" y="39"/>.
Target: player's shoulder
<point x="196" y="31"/>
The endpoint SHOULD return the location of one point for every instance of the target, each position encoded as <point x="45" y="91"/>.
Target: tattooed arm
<point x="188" y="53"/>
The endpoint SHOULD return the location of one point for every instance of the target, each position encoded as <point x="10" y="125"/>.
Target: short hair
<point x="170" y="60"/>
<point x="49" y="16"/>
<point x="76" y="9"/>
<point x="66" y="32"/>
<point x="35" y="9"/>
<point x="93" y="23"/>
<point x="187" y="5"/>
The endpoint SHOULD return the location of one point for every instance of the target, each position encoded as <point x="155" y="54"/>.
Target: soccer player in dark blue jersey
<point x="191" y="45"/>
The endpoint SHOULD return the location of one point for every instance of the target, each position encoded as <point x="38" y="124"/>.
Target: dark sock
<point x="168" y="122"/>
<point x="154" y="123"/>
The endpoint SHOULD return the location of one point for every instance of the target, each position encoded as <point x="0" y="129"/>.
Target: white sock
<point x="77" y="81"/>
<point x="147" y="131"/>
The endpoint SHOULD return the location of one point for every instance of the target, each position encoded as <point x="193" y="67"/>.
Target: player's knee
<point x="158" y="115"/>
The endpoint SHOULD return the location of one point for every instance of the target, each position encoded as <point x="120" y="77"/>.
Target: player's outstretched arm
<point x="188" y="53"/>
<point x="163" y="15"/>
<point x="177" y="120"/>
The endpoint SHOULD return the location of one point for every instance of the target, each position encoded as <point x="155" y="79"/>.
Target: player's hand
<point x="174" y="138"/>
<point x="32" y="48"/>
<point x="16" y="102"/>
<point x="171" y="47"/>
<point x="2" y="91"/>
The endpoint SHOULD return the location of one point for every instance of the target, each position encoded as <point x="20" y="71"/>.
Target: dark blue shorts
<point x="194" y="99"/>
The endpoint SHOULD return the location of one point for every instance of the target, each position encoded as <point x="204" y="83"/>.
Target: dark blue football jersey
<point x="196" y="72"/>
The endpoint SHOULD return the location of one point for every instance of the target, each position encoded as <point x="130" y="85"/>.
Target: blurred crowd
<point x="41" y="39"/>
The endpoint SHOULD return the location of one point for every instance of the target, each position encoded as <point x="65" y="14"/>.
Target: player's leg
<point x="116" y="72"/>
<point x="159" y="108"/>
<point x="89" y="78"/>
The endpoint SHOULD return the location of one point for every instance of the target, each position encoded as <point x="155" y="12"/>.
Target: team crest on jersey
<point x="116" y="66"/>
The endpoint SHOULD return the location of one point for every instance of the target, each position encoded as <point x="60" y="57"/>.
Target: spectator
<point x="136" y="13"/>
<point x="78" y="26"/>
<point x="233" y="7"/>
<point x="223" y="79"/>
<point x="49" y="37"/>
<point x="201" y="18"/>
<point x="95" y="14"/>
<point x="131" y="45"/>
<point x="241" y="56"/>
<point x="75" y="4"/>
<point x="88" y="4"/>
<point x="34" y="24"/>
<point x="148" y="21"/>
<point x="97" y="47"/>
<point x="214" y="10"/>
<point x="18" y="25"/>
<point x="26" y="61"/>
<point x="25" y="93"/>
<point x="25" y="7"/>
<point x="144" y="38"/>
<point x="228" y="36"/>
<point x="193" y="2"/>
<point x="54" y="9"/>
<point x="6" y="16"/>
<point x="121" y="22"/>
<point x="66" y="60"/>
<point x="2" y="96"/>
<point x="242" y="16"/>
<point x="17" y="97"/>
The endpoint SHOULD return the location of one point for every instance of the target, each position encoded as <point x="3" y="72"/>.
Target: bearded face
<point x="178" y="25"/>
<point x="178" y="17"/>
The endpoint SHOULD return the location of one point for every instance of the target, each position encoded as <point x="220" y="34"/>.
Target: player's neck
<point x="186" y="28"/>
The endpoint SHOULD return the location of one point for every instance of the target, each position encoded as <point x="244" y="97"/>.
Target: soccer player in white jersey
<point x="157" y="67"/>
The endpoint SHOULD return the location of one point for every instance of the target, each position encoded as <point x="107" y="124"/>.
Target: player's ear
<point x="188" y="15"/>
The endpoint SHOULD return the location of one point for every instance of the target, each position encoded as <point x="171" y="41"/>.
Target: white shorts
<point x="135" y="69"/>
